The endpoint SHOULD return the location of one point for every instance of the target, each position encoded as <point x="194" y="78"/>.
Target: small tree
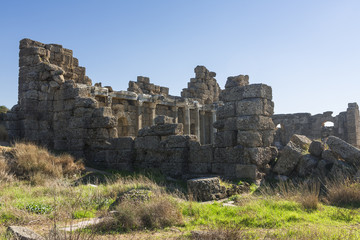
<point x="3" y="109"/>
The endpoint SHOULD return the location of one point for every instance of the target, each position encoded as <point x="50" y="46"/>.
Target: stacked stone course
<point x="245" y="129"/>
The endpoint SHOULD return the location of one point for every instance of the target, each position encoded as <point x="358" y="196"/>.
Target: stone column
<point x="197" y="123"/>
<point x="153" y="113"/>
<point x="353" y="124"/>
<point x="176" y="116"/>
<point x="186" y="120"/>
<point x="203" y="127"/>
<point x="212" y="129"/>
<point x="139" y="114"/>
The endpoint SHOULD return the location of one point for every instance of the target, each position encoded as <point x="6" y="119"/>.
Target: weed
<point x="343" y="193"/>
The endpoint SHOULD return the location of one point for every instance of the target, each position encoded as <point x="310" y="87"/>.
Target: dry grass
<point x="343" y="193"/>
<point x="158" y="212"/>
<point x="38" y="165"/>
<point x="220" y="234"/>
<point x="307" y="194"/>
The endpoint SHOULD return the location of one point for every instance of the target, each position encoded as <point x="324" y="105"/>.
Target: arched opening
<point x="278" y="126"/>
<point x="122" y="127"/>
<point x="328" y="124"/>
<point x="327" y="129"/>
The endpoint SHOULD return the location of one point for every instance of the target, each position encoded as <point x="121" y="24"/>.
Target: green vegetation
<point x="139" y="205"/>
<point x="3" y="109"/>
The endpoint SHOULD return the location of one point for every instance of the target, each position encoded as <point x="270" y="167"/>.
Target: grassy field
<point x="47" y="192"/>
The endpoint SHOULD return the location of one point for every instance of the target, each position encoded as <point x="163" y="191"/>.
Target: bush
<point x="3" y="109"/>
<point x="37" y="164"/>
<point x="343" y="193"/>
<point x="159" y="212"/>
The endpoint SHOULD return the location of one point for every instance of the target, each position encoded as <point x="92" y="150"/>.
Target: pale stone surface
<point x="204" y="189"/>
<point x="345" y="150"/>
<point x="23" y="233"/>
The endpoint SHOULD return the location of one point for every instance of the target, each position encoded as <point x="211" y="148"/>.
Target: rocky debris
<point x="344" y="150"/>
<point x="85" y="224"/>
<point x="210" y="188"/>
<point x="241" y="80"/>
<point x="162" y="130"/>
<point x="23" y="233"/>
<point x="306" y="165"/>
<point x="291" y="154"/>
<point x="316" y="148"/>
<point x="143" y="86"/>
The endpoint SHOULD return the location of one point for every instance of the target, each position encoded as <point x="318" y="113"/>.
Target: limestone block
<point x="225" y="169"/>
<point x="31" y="94"/>
<point x="240" y="80"/>
<point x="226" y="111"/>
<point x="29" y="124"/>
<point x="342" y="170"/>
<point x="23" y="233"/>
<point x="204" y="189"/>
<point x="162" y="130"/>
<point x="254" y="106"/>
<point x="177" y="155"/>
<point x="306" y="165"/>
<point x="267" y="137"/>
<point x="246" y="171"/>
<point x="200" y="154"/>
<point x="291" y="154"/>
<point x="103" y="122"/>
<point x="257" y="91"/>
<point x="260" y="156"/>
<point x="249" y="138"/>
<point x="172" y="169"/>
<point x="316" y="148"/>
<point x="329" y="156"/>
<point x="226" y="139"/>
<point x="232" y="94"/>
<point x="83" y="112"/>
<point x="230" y="124"/>
<point x="200" y="167"/>
<point x="148" y="142"/>
<point x="76" y="144"/>
<point x="86" y="103"/>
<point x="255" y="122"/>
<point x="162" y="119"/>
<point x="122" y="143"/>
<point x="177" y="141"/>
<point x="345" y="150"/>
<point x="103" y="112"/>
<point x="230" y="155"/>
<point x="219" y="124"/>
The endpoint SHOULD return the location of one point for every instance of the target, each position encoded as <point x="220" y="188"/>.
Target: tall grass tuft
<point x="343" y="193"/>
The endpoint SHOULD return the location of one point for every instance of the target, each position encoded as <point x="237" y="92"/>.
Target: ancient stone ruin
<point x="207" y="130"/>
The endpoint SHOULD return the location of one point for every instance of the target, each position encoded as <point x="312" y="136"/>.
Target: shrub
<point x="158" y="212"/>
<point x="343" y="193"/>
<point x="37" y="164"/>
<point x="3" y="109"/>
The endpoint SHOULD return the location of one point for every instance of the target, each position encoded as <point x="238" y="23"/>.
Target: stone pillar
<point x="186" y="120"/>
<point x="212" y="129"/>
<point x="153" y="113"/>
<point x="202" y="127"/>
<point x="176" y="116"/>
<point x="353" y="124"/>
<point x="197" y="123"/>
<point x="140" y="110"/>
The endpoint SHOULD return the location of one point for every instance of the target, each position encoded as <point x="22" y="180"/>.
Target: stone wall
<point x="346" y="126"/>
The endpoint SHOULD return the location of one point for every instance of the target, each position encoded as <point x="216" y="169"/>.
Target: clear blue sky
<point x="307" y="50"/>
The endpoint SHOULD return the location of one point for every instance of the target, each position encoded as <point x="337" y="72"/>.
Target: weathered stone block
<point x="148" y="142"/>
<point x="177" y="141"/>
<point x="162" y="130"/>
<point x="254" y="106"/>
<point x="204" y="189"/>
<point x="225" y="139"/>
<point x="255" y="122"/>
<point x="226" y="111"/>
<point x="257" y="91"/>
<point x="260" y="156"/>
<point x="200" y="167"/>
<point x="306" y="165"/>
<point x="229" y="155"/>
<point x="316" y="148"/>
<point x="345" y="150"/>
<point x="249" y="138"/>
<point x="200" y="154"/>
<point x="122" y="143"/>
<point x="240" y="80"/>
<point x="103" y="122"/>
<point x="246" y="171"/>
<point x="225" y="169"/>
<point x="161" y="119"/>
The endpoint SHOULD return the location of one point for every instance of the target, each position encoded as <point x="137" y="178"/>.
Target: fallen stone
<point x="306" y="165"/>
<point x="205" y="189"/>
<point x="345" y="150"/>
<point x="291" y="154"/>
<point x="23" y="233"/>
<point x="316" y="148"/>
